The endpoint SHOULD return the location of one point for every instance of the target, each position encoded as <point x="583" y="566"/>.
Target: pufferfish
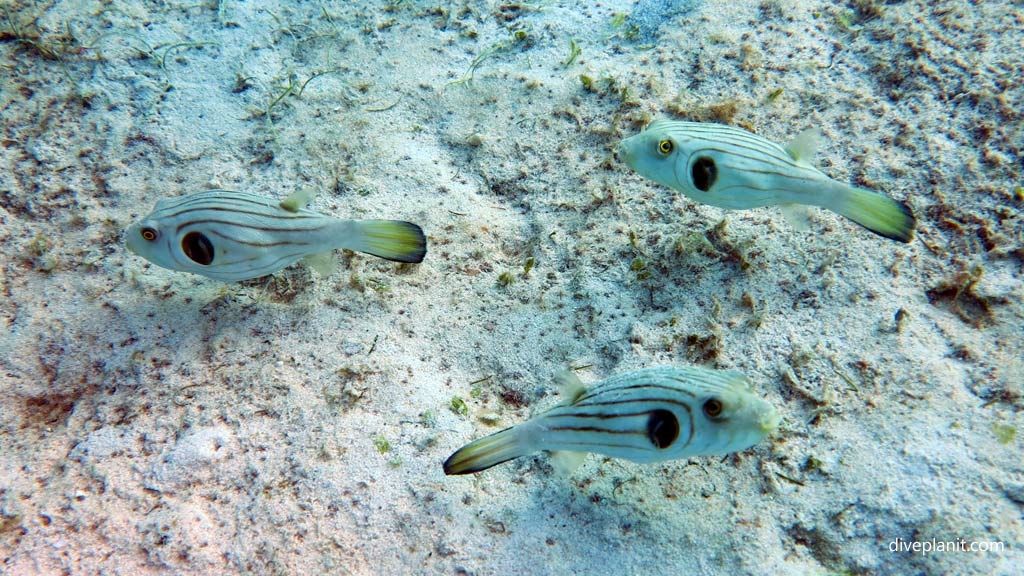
<point x="730" y="167"/>
<point x="232" y="236"/>
<point x="648" y="415"/>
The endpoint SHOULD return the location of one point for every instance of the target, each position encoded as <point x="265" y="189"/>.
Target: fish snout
<point x="626" y="151"/>
<point x="128" y="239"/>
<point x="769" y="419"/>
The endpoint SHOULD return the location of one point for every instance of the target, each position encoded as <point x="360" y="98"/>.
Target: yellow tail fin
<point x="391" y="240"/>
<point x="483" y="453"/>
<point x="879" y="214"/>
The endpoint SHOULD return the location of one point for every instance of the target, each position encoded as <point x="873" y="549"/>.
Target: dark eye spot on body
<point x="704" y="173"/>
<point x="198" y="248"/>
<point x="662" y="428"/>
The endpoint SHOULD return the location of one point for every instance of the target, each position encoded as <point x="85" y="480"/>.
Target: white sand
<point x="158" y="422"/>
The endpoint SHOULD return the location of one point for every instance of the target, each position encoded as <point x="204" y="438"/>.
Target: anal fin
<point x="324" y="263"/>
<point x="798" y="216"/>
<point x="566" y="462"/>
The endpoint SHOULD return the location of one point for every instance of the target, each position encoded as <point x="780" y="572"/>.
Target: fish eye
<point x="662" y="428"/>
<point x="704" y="173"/>
<point x="197" y="247"/>
<point x="713" y="408"/>
<point x="148" y="234"/>
<point x="665" y="146"/>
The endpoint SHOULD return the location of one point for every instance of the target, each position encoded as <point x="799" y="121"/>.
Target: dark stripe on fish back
<point x="598" y="403"/>
<point x="259" y="244"/>
<point x="218" y="195"/>
<point x="599" y="416"/>
<point x="599" y="444"/>
<point x="246" y="226"/>
<point x="233" y="211"/>
<point x="596" y="429"/>
<point x="762" y="158"/>
<point x="598" y="390"/>
<point x="732" y="135"/>
<point x="744" y="140"/>
<point x="707" y="383"/>
<point x="765" y="149"/>
<point x="684" y="405"/>
<point x="210" y="201"/>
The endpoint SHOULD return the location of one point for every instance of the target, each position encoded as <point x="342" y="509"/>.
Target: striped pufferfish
<point x="232" y="236"/>
<point x="730" y="167"/>
<point x="647" y="415"/>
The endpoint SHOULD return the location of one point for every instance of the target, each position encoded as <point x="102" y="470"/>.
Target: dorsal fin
<point x="298" y="199"/>
<point x="570" y="387"/>
<point x="802" y="147"/>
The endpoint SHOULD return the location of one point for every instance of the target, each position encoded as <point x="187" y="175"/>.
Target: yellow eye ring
<point x="665" y="146"/>
<point x="713" y="408"/>
<point x="148" y="234"/>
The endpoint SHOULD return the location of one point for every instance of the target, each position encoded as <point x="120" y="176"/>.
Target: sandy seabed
<point x="156" y="422"/>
